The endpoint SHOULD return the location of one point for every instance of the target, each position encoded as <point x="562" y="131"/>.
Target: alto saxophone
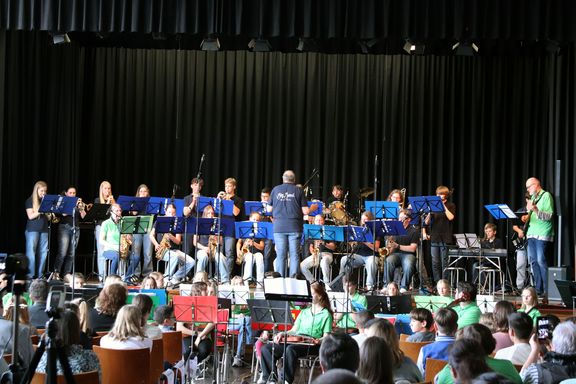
<point x="125" y="243"/>
<point x="212" y="247"/>
<point x="164" y="246"/>
<point x="316" y="253"/>
<point x="245" y="249"/>
<point x="385" y="252"/>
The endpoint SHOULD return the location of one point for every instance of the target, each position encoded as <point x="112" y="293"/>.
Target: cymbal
<point x="365" y="192"/>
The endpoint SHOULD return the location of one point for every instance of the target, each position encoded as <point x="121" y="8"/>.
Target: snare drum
<point x="338" y="213"/>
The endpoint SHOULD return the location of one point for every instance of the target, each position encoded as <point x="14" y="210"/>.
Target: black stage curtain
<point x="481" y="125"/>
<point x="366" y="19"/>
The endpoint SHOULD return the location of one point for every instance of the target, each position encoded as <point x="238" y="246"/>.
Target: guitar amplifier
<point x="555" y="273"/>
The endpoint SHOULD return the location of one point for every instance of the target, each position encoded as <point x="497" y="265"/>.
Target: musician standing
<point x="320" y="253"/>
<point x="540" y="232"/>
<point x="269" y="244"/>
<point x="141" y="241"/>
<point x="288" y="205"/>
<point x="36" y="231"/>
<point x="63" y="263"/>
<point x="104" y="197"/>
<point x="403" y="252"/>
<point x="520" y="245"/>
<point x="190" y="204"/>
<point x="230" y="241"/>
<point x="441" y="233"/>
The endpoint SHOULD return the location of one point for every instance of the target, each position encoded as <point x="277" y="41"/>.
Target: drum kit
<point x="336" y="212"/>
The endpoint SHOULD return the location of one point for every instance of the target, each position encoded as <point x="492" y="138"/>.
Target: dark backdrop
<point x="482" y="125"/>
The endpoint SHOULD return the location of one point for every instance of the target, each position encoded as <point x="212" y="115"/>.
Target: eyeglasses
<point x="530" y="185"/>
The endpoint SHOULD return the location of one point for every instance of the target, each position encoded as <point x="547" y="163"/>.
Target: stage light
<point x="260" y="45"/>
<point x="465" y="49"/>
<point x="414" y="48"/>
<point x="210" y="44"/>
<point x="307" y="45"/>
<point x="367" y="45"/>
<point x="60" y="38"/>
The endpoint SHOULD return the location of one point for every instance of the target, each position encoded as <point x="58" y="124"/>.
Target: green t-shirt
<point x="534" y="314"/>
<point x="111" y="232"/>
<point x="358" y="301"/>
<point x="503" y="367"/>
<point x="541" y="225"/>
<point x="312" y="325"/>
<point x="468" y="315"/>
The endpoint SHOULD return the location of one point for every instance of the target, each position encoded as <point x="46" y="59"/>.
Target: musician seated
<point x="207" y="246"/>
<point x="465" y="304"/>
<point x="251" y="251"/>
<point x="402" y="252"/>
<point x="489" y="241"/>
<point x="363" y="254"/>
<point x="240" y="321"/>
<point x="167" y="251"/>
<point x="320" y="252"/>
<point x="312" y="324"/>
<point x="358" y="303"/>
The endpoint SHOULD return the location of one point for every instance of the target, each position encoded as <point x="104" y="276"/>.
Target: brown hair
<point x="446" y="321"/>
<point x="112" y="298"/>
<point x="502" y="310"/>
<point x="324" y="300"/>
<point x="372" y="369"/>
<point x="383" y="329"/>
<point x="422" y="314"/>
<point x="127" y="324"/>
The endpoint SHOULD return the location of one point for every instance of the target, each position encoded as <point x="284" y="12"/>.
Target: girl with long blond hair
<point x="104" y="197"/>
<point x="36" y="232"/>
<point x="141" y="242"/>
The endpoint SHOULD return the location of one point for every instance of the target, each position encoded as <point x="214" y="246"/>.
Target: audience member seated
<point x="80" y="359"/>
<point x="127" y="332"/>
<point x="446" y="325"/>
<point x="487" y="319"/>
<point x="149" y="283"/>
<point x="558" y="364"/>
<point x="24" y="344"/>
<point x="491" y="378"/>
<point x="421" y="322"/>
<point x="145" y="304"/>
<point x="467" y="310"/>
<point x="530" y="304"/>
<point x="77" y="280"/>
<point x="339" y="350"/>
<point x="502" y="310"/>
<point x="483" y="336"/>
<point x="113" y="279"/>
<point x="358" y="302"/>
<point x="38" y="293"/>
<point x="159" y="278"/>
<point x="313" y="322"/>
<point x="111" y="298"/>
<point x="465" y="362"/>
<point x="338" y="376"/>
<point x="443" y="288"/>
<point x="361" y="318"/>
<point x="23" y="315"/>
<point x="85" y="338"/>
<point x="391" y="289"/>
<point x="519" y="330"/>
<point x="164" y="317"/>
<point x="403" y="368"/>
<point x="373" y="368"/>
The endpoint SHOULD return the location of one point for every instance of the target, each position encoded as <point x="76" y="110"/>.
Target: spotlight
<point x="210" y="44"/>
<point x="366" y="45"/>
<point x="307" y="45"/>
<point x="60" y="38"/>
<point x="414" y="48"/>
<point x="465" y="49"/>
<point x="259" y="45"/>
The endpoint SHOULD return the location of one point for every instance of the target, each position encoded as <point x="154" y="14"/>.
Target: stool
<point x="307" y="365"/>
<point x="489" y="285"/>
<point x="456" y="271"/>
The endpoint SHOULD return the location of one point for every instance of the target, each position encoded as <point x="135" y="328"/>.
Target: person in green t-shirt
<point x="530" y="303"/>
<point x="467" y="309"/>
<point x="358" y="303"/>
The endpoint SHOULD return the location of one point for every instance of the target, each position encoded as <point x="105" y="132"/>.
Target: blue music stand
<point x="227" y="206"/>
<point x="132" y="203"/>
<point x="319" y="209"/>
<point x="256" y="206"/>
<point x="254" y="230"/>
<point x="209" y="226"/>
<point x="166" y="224"/>
<point x="358" y="233"/>
<point x="157" y="205"/>
<point x="381" y="228"/>
<point x="500" y="211"/>
<point x="426" y="204"/>
<point x="383" y="209"/>
<point x="58" y="204"/>
<point x="323" y="232"/>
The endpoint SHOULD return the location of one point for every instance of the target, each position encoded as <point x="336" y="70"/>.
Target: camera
<point x="55" y="301"/>
<point x="544" y="328"/>
<point x="16" y="265"/>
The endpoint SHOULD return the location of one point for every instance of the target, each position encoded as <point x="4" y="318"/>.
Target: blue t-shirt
<point x="287" y="201"/>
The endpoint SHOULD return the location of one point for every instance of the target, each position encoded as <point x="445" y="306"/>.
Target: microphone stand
<point x="374" y="223"/>
<point x="198" y="176"/>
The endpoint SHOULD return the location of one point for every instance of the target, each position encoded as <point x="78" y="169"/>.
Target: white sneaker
<point x="402" y="291"/>
<point x="237" y="362"/>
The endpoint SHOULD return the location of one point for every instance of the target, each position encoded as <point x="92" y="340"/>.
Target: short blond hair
<point x="230" y="180"/>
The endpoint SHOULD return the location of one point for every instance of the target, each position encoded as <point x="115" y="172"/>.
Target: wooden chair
<point x="124" y="366"/>
<point x="79" y="378"/>
<point x="34" y="339"/>
<point x="412" y="349"/>
<point x="433" y="366"/>
<point x="518" y="367"/>
<point x="403" y="337"/>
<point x="96" y="340"/>
<point x="156" y="360"/>
<point x="102" y="333"/>
<point x="8" y="358"/>
<point x="172" y="345"/>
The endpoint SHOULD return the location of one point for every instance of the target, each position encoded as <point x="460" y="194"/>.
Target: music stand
<point x="98" y="212"/>
<point x="221" y="206"/>
<point x="318" y="210"/>
<point x="254" y="230"/>
<point x="237" y="294"/>
<point x="426" y="204"/>
<point x="157" y="205"/>
<point x="567" y="290"/>
<point x="323" y="232"/>
<point x="355" y="233"/>
<point x="503" y="212"/>
<point x="136" y="225"/>
<point x="467" y="240"/>
<point x="132" y="203"/>
<point x="432" y="303"/>
<point x="383" y="209"/>
<point x="383" y="228"/>
<point x="256" y="206"/>
<point x="391" y="305"/>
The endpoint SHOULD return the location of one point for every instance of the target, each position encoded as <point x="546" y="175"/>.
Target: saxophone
<point x="316" y="253"/>
<point x="385" y="252"/>
<point x="245" y="249"/>
<point x="212" y="247"/>
<point x="164" y="246"/>
<point x="125" y="243"/>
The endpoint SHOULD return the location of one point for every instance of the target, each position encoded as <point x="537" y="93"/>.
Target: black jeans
<point x="293" y="352"/>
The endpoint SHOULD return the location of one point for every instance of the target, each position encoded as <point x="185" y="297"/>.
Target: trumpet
<point x="52" y="217"/>
<point x="82" y="206"/>
<point x="110" y="200"/>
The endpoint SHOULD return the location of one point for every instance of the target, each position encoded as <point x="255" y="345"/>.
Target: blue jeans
<point x="63" y="263"/>
<point x="439" y="253"/>
<point x="408" y="263"/>
<point x="357" y="261"/>
<point x="244" y="326"/>
<point x="114" y="257"/>
<point x="36" y="249"/>
<point x="287" y="242"/>
<point x="537" y="258"/>
<point x="139" y="242"/>
<point x="173" y="258"/>
<point x="100" y="260"/>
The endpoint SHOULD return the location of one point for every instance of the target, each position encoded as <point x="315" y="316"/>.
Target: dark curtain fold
<point x="480" y="125"/>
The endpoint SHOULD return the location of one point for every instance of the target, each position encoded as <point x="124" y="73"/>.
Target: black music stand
<point x="132" y="203"/>
<point x="168" y="224"/>
<point x="503" y="212"/>
<point x="390" y="305"/>
<point x="134" y="225"/>
<point x="567" y="290"/>
<point x="383" y="209"/>
<point x="98" y="212"/>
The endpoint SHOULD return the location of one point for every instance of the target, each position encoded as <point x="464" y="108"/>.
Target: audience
<point x="465" y="362"/>
<point x="446" y="325"/>
<point x="502" y="310"/>
<point x="111" y="298"/>
<point x="467" y="310"/>
<point x="558" y="364"/>
<point x="39" y="294"/>
<point x="443" y="288"/>
<point x="421" y="322"/>
<point x="373" y="368"/>
<point x="159" y="278"/>
<point x="127" y="332"/>
<point x="339" y="350"/>
<point x="149" y="283"/>
<point x="530" y="303"/>
<point x="520" y="328"/>
<point x="358" y="302"/>
<point x="164" y="317"/>
<point x="23" y="315"/>
<point x="487" y="319"/>
<point x="361" y="319"/>
<point x="144" y="304"/>
<point x="338" y="376"/>
<point x="403" y="368"/>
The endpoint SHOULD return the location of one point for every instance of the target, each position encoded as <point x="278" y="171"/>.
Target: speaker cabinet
<point x="555" y="273"/>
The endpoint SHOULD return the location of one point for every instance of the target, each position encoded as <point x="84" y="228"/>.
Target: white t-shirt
<point x="516" y="354"/>
<point x="152" y="332"/>
<point x="130" y="343"/>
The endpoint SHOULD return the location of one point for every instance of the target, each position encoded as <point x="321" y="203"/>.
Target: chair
<point x="456" y="271"/>
<point x="433" y="366"/>
<point x="96" y="340"/>
<point x="518" y="367"/>
<point x="412" y="350"/>
<point x="156" y="360"/>
<point x="34" y="339"/>
<point x="172" y="346"/>
<point x="124" y="366"/>
<point x="102" y="333"/>
<point x="8" y="358"/>
<point x="404" y="337"/>
<point x="79" y="378"/>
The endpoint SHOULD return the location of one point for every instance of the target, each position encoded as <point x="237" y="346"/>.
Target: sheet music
<point x="288" y="286"/>
<point x="507" y="211"/>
